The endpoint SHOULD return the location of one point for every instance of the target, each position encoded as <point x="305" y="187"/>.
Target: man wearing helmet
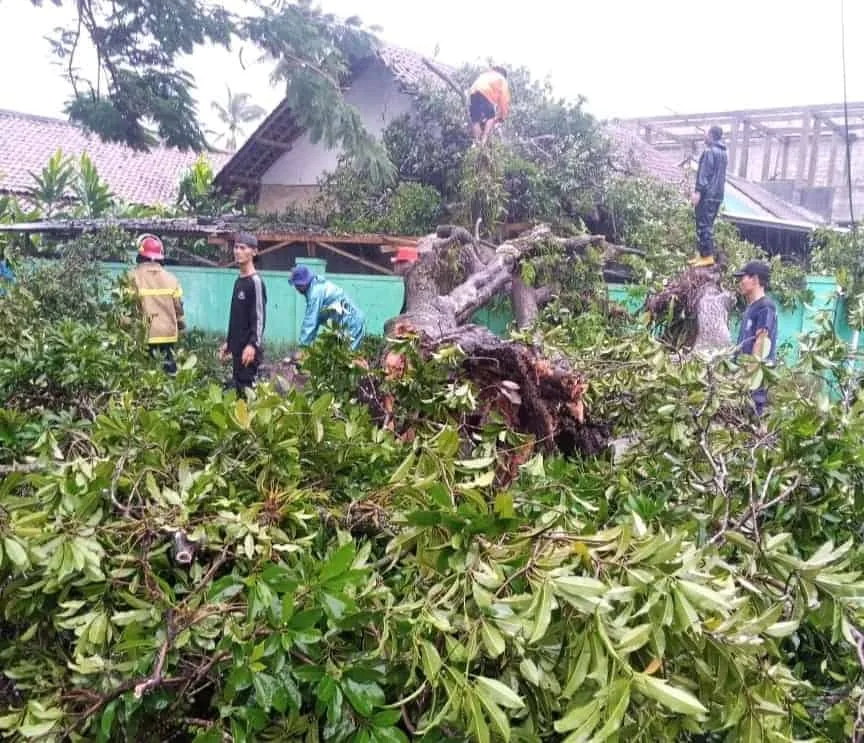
<point x="161" y="300"/>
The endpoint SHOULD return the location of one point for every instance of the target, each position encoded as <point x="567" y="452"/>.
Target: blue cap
<point x="301" y="276"/>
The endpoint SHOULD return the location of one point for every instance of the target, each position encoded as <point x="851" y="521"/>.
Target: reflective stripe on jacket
<point x="161" y="302"/>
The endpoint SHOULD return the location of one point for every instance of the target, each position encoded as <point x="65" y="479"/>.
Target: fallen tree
<point x="455" y="275"/>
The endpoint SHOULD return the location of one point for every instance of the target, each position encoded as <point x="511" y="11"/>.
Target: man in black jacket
<point x="248" y="312"/>
<point x="708" y="194"/>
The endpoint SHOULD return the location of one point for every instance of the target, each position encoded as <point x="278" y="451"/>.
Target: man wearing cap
<point x="244" y="342"/>
<point x="758" y="334"/>
<point x="161" y="300"/>
<point x="326" y="301"/>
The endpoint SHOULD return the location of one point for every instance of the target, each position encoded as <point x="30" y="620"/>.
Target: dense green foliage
<point x="349" y="583"/>
<point x="548" y="163"/>
<point x="141" y="94"/>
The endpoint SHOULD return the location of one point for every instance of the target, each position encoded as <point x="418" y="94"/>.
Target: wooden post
<point x="836" y="139"/>
<point x="744" y="160"/>
<point x="802" y="147"/>
<point x="733" y="143"/>
<point x="784" y="169"/>
<point x="814" y="151"/>
<point x="767" y="142"/>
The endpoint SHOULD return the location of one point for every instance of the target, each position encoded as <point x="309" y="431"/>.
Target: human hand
<point x="248" y="355"/>
<point x="695" y="198"/>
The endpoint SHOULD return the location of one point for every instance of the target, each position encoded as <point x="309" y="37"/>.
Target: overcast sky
<point x="628" y="57"/>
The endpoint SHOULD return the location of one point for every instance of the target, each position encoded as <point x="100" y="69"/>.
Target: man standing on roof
<point x="758" y="334"/>
<point x="489" y="102"/>
<point x="708" y="194"/>
<point x="326" y="301"/>
<point x="245" y="340"/>
<point x="161" y="300"/>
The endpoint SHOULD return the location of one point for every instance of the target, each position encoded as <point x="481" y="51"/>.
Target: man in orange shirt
<point x="489" y="102"/>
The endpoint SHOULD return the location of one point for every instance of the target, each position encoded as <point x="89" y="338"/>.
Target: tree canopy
<point x="140" y="93"/>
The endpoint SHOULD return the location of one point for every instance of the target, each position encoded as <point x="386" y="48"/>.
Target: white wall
<point x="376" y="96"/>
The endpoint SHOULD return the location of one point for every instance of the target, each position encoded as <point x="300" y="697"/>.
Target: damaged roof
<point x="631" y="155"/>
<point x="27" y="142"/>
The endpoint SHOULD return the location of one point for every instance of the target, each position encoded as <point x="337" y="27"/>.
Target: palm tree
<point x="238" y="111"/>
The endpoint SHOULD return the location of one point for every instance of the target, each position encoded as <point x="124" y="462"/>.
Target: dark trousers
<point x="760" y="400"/>
<point x="166" y="351"/>
<point x="243" y="377"/>
<point x="706" y="213"/>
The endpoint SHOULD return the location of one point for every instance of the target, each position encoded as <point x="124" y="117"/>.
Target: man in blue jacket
<point x="326" y="301"/>
<point x="708" y="194"/>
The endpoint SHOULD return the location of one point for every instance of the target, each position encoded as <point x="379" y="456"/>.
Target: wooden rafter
<point x="362" y="261"/>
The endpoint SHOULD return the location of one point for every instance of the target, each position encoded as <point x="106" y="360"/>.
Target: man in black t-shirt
<point x="758" y="334"/>
<point x="248" y="313"/>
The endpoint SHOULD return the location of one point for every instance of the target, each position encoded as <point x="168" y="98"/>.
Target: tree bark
<point x="694" y="310"/>
<point x="454" y="276"/>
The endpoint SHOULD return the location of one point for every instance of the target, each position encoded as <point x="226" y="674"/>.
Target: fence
<point x="207" y="298"/>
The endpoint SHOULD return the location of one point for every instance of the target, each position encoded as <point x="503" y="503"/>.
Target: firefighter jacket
<point x="161" y="302"/>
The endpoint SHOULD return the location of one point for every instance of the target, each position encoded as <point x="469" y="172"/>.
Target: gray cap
<point x="247" y="238"/>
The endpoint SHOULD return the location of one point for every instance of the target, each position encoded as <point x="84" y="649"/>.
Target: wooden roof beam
<point x="356" y="258"/>
<point x="274" y="143"/>
<point x="753" y="113"/>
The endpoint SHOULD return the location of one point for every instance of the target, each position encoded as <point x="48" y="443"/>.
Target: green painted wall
<point x="207" y="297"/>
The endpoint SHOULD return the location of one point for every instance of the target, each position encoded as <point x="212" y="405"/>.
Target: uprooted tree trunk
<point x="694" y="310"/>
<point x="454" y="276"/>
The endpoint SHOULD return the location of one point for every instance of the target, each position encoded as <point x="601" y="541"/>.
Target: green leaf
<point x="338" y="563"/>
<point x="496" y="715"/>
<point x="616" y="707"/>
<point x="335" y="606"/>
<point x="478" y="726"/>
<point x="37" y="730"/>
<point x="431" y="660"/>
<point x="265" y="687"/>
<point x="401" y="471"/>
<point x="577" y="717"/>
<point x="16" y="553"/>
<point x="675" y="699"/>
<point x="492" y="639"/>
<point x="530" y="671"/>
<point x="387" y="735"/>
<point x="542" y="615"/>
<point x="363" y="697"/>
<point x="580" y="671"/>
<point x="503" y="503"/>
<point x="480" y="463"/>
<point x="703" y="597"/>
<point x="107" y="720"/>
<point x="499" y="692"/>
<point x="386" y="718"/>
<point x="635" y="638"/>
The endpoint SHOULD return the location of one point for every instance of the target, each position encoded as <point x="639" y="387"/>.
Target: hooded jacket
<point x="161" y="302"/>
<point x="326" y="301"/>
<point x="711" y="176"/>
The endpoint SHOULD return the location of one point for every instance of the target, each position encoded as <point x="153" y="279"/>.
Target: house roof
<point x="746" y="200"/>
<point x="278" y="132"/>
<point x="27" y="142"/>
<point x="631" y="155"/>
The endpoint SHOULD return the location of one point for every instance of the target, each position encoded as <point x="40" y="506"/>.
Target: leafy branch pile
<point x="177" y="564"/>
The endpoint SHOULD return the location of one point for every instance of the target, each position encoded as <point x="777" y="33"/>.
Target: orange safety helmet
<point x="150" y="246"/>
